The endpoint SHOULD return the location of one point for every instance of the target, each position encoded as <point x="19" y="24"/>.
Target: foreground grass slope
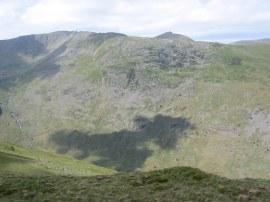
<point x="174" y="184"/>
<point x="21" y="161"/>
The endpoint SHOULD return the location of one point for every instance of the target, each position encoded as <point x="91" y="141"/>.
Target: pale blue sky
<point x="212" y="20"/>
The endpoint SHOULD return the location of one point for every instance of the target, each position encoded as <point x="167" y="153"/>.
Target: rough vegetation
<point x="174" y="184"/>
<point x="132" y="103"/>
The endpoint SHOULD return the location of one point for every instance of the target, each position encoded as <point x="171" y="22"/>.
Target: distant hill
<point x="267" y="40"/>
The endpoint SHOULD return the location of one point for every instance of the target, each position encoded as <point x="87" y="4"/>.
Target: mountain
<point x="139" y="104"/>
<point x="173" y="184"/>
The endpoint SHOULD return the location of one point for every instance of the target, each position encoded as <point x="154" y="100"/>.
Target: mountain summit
<point x="172" y="36"/>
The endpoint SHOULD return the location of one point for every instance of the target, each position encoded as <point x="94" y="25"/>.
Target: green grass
<point x="19" y="160"/>
<point x="254" y="64"/>
<point x="174" y="184"/>
<point x="94" y="75"/>
<point x="87" y="67"/>
<point x="10" y="163"/>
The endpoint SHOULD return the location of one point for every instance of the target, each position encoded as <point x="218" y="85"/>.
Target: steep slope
<point x="132" y="103"/>
<point x="174" y="184"/>
<point x="21" y="55"/>
<point x="20" y="161"/>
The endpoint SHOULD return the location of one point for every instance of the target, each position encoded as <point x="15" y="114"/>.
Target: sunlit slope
<point x="21" y="161"/>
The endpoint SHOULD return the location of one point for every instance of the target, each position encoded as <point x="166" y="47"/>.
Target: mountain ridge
<point x="264" y="40"/>
<point x="166" y="35"/>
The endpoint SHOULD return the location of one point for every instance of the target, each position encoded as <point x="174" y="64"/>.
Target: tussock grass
<point x="174" y="184"/>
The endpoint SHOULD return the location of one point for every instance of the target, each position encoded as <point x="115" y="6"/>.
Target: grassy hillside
<point x="27" y="162"/>
<point x="174" y="184"/>
<point x="132" y="103"/>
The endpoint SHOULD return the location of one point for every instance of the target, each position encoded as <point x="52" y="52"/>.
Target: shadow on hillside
<point x="124" y="150"/>
<point x="15" y="70"/>
<point x="47" y="66"/>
